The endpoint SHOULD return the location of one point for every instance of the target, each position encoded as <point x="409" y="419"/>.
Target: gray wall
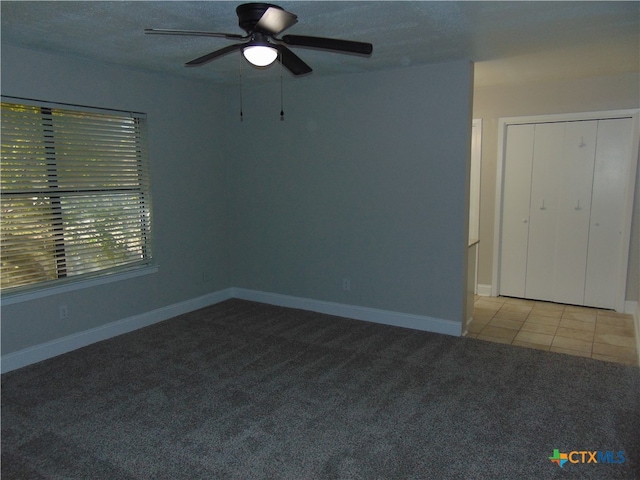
<point x="584" y="95"/>
<point x="188" y="183"/>
<point x="367" y="178"/>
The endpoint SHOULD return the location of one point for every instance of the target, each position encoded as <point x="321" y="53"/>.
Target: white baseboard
<point x="630" y="307"/>
<point x="46" y="350"/>
<point x="483" y="290"/>
<point x="636" y="321"/>
<point x="38" y="353"/>
<point x="398" y="319"/>
<point x="633" y="308"/>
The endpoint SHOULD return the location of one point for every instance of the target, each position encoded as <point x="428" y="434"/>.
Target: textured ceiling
<point x="511" y="42"/>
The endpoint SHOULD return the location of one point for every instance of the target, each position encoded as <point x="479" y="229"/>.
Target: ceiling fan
<point x="261" y="47"/>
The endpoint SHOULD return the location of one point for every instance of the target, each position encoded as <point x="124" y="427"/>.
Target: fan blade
<point x="213" y="55"/>
<point x="344" y="46"/>
<point x="193" y="33"/>
<point x="292" y="62"/>
<point x="275" y="20"/>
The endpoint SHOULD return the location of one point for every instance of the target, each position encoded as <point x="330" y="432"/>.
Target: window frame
<point x="130" y="269"/>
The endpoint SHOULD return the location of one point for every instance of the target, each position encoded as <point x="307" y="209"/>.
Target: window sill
<point x="19" y="297"/>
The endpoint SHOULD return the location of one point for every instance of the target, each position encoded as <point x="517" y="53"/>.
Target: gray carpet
<point x="243" y="390"/>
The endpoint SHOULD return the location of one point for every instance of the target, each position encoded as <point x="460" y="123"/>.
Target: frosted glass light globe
<point x="260" y="55"/>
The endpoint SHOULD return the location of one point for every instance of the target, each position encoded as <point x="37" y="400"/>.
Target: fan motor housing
<point x="250" y="13"/>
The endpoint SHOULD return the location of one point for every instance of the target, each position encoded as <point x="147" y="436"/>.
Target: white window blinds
<point x="74" y="195"/>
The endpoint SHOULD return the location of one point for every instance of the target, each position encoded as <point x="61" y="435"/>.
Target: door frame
<point x="504" y="122"/>
<point x="475" y="174"/>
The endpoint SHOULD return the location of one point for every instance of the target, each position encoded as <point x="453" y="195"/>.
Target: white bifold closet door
<point x="574" y="207"/>
<point x="607" y="227"/>
<point x="515" y="212"/>
<point x="563" y="210"/>
<point x="543" y="210"/>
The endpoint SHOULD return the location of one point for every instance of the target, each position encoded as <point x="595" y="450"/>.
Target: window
<point x="74" y="195"/>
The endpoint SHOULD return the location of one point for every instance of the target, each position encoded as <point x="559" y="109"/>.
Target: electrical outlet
<point x="346" y="284"/>
<point x="64" y="312"/>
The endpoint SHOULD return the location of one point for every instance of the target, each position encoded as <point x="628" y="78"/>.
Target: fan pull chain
<point x="281" y="93"/>
<point x="240" y="74"/>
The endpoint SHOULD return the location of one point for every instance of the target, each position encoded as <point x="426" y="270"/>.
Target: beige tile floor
<point x="587" y="332"/>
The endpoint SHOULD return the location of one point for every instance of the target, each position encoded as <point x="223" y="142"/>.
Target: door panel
<point x="545" y="185"/>
<point x="574" y="208"/>
<point x="515" y="214"/>
<point x="611" y="174"/>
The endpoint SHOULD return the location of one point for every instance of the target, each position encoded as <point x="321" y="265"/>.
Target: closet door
<point x="543" y="225"/>
<point x="568" y="187"/>
<point x="574" y="207"/>
<point x="611" y="175"/>
<point x="515" y="210"/>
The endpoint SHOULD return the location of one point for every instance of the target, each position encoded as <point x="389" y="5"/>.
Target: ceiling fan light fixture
<point x="260" y="55"/>
<point x="261" y="47"/>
